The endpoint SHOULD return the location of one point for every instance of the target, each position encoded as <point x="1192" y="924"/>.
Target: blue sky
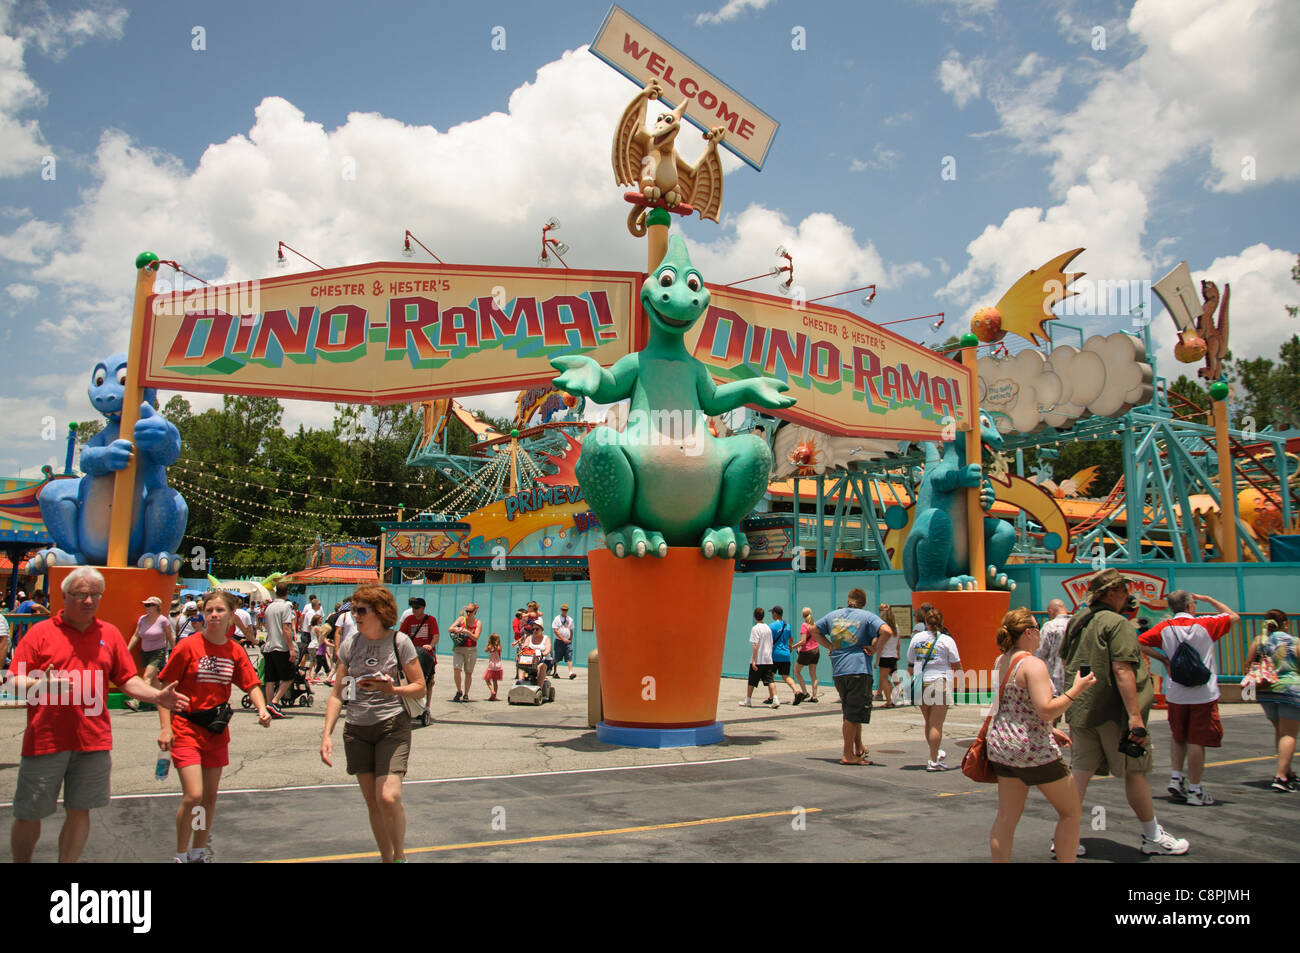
<point x="211" y="156"/>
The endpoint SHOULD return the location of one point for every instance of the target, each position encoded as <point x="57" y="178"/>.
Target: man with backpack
<point x="1185" y="644"/>
<point x="1108" y="724"/>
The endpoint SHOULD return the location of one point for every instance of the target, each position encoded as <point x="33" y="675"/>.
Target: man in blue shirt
<point x="781" y="651"/>
<point x="851" y="635"/>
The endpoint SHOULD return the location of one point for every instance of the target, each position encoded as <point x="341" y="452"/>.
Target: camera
<point x="1130" y="747"/>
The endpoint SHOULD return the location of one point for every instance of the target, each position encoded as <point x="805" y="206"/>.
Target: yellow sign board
<point x="643" y="56"/>
<point x="387" y="332"/>
<point x="850" y="377"/>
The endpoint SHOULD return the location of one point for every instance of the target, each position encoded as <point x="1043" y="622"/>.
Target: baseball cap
<point x="21" y="594"/>
<point x="152" y="601"/>
<point x="191" y="606"/>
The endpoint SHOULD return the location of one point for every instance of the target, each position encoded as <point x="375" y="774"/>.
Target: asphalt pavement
<point x="494" y="782"/>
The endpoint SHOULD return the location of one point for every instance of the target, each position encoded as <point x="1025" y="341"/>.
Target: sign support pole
<point x="974" y="511"/>
<point x="123" y="507"/>
<point x="1227" y="498"/>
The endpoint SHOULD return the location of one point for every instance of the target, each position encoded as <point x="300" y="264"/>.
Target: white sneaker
<point x="1177" y="789"/>
<point x="745" y="703"/>
<point x="935" y="766"/>
<point x="1081" y="852"/>
<point x="1164" y="843"/>
<point x="943" y="755"/>
<point x="773" y="703"/>
<point x="1199" y="798"/>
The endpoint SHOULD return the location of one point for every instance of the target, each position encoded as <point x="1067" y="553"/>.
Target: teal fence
<point x="1250" y="588"/>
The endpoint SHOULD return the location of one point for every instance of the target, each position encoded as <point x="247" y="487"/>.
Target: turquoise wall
<point x="1247" y="587"/>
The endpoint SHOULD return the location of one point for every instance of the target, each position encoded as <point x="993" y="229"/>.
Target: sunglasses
<point x="360" y="611"/>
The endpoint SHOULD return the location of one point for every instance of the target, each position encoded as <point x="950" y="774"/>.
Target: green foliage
<point x="266" y="496"/>
<point x="87" y="429"/>
<point x="1192" y="391"/>
<point x="1270" y="390"/>
<point x="1291" y="309"/>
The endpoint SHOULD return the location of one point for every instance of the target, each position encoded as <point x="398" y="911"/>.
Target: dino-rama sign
<point x="404" y="331"/>
<point x="387" y="332"/>
<point x="644" y="57"/>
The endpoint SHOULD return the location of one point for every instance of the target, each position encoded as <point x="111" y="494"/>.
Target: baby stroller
<point x="526" y="690"/>
<point x="299" y="693"/>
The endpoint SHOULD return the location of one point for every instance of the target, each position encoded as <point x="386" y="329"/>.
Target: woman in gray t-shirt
<point x="377" y="669"/>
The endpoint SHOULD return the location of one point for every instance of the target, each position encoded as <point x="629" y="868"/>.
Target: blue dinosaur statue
<point x="665" y="480"/>
<point x="936" y="555"/>
<point x="76" y="512"/>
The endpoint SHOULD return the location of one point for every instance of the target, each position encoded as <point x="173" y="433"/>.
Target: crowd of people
<point x="1079" y="682"/>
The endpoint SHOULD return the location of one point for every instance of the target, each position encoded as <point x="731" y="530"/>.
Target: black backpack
<point x="1186" y="667"/>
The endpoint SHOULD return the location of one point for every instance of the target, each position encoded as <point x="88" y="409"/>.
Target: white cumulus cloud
<point x="959" y="79"/>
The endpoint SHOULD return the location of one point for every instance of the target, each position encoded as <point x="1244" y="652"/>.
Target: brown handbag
<point x="975" y="763"/>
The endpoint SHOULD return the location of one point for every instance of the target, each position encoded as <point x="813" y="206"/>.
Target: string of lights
<point x="231" y="481"/>
<point x="230" y="510"/>
<point x="390" y="513"/>
<point x="244" y="468"/>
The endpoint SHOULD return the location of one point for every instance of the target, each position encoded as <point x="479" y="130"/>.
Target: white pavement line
<point x="482" y="777"/>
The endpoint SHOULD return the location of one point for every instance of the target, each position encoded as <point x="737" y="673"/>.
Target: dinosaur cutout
<point x="76" y="512"/>
<point x="665" y="480"/>
<point x="649" y="161"/>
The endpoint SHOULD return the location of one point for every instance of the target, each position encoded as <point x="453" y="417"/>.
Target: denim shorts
<point x="1279" y="708"/>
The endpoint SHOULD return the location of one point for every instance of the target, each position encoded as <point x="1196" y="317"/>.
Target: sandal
<point x="864" y="761"/>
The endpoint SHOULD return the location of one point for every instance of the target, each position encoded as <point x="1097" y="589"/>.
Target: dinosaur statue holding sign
<point x="76" y="512"/>
<point x="665" y="480"/>
<point x="649" y="161"/>
<point x="936" y="555"/>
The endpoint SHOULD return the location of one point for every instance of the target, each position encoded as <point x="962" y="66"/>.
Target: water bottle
<point x="160" y="769"/>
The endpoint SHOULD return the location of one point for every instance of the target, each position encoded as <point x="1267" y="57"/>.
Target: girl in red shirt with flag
<point x="198" y="737"/>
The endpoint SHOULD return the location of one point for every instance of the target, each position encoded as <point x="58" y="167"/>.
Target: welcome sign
<point x="387" y="332"/>
<point x="643" y="56"/>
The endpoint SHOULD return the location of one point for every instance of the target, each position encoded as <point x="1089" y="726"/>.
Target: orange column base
<point x="972" y="619"/>
<point x="652" y="676"/>
<point x="124" y="592"/>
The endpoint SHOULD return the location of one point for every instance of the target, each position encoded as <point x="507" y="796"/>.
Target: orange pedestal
<point x="124" y="591"/>
<point x="972" y="618"/>
<point x="654" y="674"/>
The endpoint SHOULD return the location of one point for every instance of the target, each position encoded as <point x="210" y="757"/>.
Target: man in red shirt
<point x="1194" y="723"/>
<point x="423" y="630"/>
<point x="63" y="667"/>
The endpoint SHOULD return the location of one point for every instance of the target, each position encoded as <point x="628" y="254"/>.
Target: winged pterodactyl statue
<point x="649" y="161"/>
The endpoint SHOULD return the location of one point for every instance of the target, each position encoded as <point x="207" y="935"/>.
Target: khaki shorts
<point x="83" y="775"/>
<point x="1097" y="750"/>
<point x="378" y="749"/>
<point x="463" y="658"/>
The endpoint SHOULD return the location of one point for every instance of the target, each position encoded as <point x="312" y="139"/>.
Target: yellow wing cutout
<point x="1027" y="306"/>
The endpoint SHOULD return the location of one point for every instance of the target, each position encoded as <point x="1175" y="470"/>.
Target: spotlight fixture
<point x="409" y="252"/>
<point x="552" y="246"/>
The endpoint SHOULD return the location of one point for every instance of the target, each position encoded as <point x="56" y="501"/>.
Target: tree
<point x="1272" y="390"/>
<point x="1192" y="391"/>
<point x="1291" y="309"/>
<point x="87" y="429"/>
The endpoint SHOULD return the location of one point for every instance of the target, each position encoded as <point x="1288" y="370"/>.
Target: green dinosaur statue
<point x="665" y="480"/>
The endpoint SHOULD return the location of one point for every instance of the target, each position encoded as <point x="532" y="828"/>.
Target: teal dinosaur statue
<point x="936" y="555"/>
<point x="665" y="480"/>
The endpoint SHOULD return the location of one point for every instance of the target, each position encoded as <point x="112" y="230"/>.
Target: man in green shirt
<point x="1115" y="711"/>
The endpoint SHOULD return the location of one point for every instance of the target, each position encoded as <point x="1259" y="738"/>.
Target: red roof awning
<point x="332" y="574"/>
